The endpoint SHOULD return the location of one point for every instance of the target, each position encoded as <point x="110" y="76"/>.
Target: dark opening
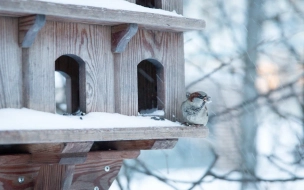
<point x="69" y="66"/>
<point x="151" y="94"/>
<point x="146" y="3"/>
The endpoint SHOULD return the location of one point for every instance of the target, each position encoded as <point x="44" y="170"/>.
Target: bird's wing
<point x="191" y="110"/>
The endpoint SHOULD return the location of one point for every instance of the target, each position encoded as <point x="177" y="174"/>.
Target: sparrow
<point x="194" y="108"/>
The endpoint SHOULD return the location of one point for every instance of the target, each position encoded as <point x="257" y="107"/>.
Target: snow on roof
<point x="114" y="4"/>
<point x="27" y="119"/>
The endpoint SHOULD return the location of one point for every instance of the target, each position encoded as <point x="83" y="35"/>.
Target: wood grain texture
<point x="106" y="134"/>
<point x="170" y="5"/>
<point x="90" y="175"/>
<point x="164" y="144"/>
<point x="29" y="27"/>
<point x="101" y="16"/>
<point x="51" y="177"/>
<point x="167" y="49"/>
<point x="91" y="44"/>
<point x="10" y="64"/>
<point x="9" y="177"/>
<point x="121" y="35"/>
<point x="60" y="176"/>
<point x="49" y="158"/>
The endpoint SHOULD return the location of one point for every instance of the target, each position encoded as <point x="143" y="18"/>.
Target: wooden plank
<point x="164" y="144"/>
<point x="95" y="174"/>
<point x="135" y="144"/>
<point x="79" y="147"/>
<point x="52" y="177"/>
<point x="90" y="174"/>
<point x="121" y="35"/>
<point x="111" y="134"/>
<point x="165" y="48"/>
<point x="10" y="64"/>
<point x="38" y="72"/>
<point x="101" y="16"/>
<point x="60" y="176"/>
<point x="123" y="145"/>
<point x="29" y="27"/>
<point x="10" y="175"/>
<point x="170" y="5"/>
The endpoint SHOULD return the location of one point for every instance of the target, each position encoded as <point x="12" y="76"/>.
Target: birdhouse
<point x="119" y="58"/>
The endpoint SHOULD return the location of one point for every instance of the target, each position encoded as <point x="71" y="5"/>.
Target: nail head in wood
<point x="121" y="35"/>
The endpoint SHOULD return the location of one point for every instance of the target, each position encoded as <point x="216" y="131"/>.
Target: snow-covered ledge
<point x="102" y="12"/>
<point x="28" y="126"/>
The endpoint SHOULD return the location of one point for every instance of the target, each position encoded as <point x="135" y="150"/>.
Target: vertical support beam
<point x="10" y="64"/>
<point x="38" y="71"/>
<point x="55" y="176"/>
<point x="61" y="176"/>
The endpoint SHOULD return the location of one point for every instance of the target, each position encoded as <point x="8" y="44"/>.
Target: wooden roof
<point x="103" y="134"/>
<point x="99" y="15"/>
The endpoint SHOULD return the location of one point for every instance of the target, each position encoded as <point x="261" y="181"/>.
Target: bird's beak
<point x="208" y="99"/>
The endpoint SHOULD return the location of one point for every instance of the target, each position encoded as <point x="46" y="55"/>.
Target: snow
<point x="114" y="4"/>
<point x="27" y="119"/>
<point x="153" y="111"/>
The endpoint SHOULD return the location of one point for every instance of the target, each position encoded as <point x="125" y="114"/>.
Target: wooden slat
<point x="164" y="144"/>
<point x="95" y="15"/>
<point x="53" y="177"/>
<point x="91" y="175"/>
<point x="10" y="64"/>
<point x="170" y="5"/>
<point x="113" y="134"/>
<point x="135" y="144"/>
<point x="49" y="158"/>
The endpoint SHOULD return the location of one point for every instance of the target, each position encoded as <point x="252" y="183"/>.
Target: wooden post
<point x="59" y="176"/>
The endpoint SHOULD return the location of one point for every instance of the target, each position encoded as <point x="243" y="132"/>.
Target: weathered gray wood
<point x="111" y="134"/>
<point x="164" y="144"/>
<point x="76" y="13"/>
<point x="79" y="147"/>
<point x="170" y="5"/>
<point x="121" y="35"/>
<point x="29" y="26"/>
<point x="10" y="64"/>
<point x="88" y="44"/>
<point x="38" y="63"/>
<point x="167" y="49"/>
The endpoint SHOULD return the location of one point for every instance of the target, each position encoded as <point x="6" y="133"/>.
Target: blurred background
<point x="250" y="60"/>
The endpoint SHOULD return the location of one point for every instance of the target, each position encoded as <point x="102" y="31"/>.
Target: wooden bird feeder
<point x="120" y="59"/>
